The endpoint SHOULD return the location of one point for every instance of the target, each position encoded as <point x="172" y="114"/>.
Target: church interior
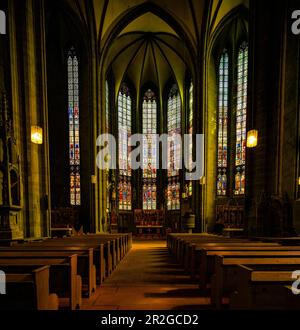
<point x="75" y="235"/>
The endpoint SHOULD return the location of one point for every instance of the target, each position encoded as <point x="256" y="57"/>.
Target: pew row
<point x="63" y="278"/>
<point x="263" y="289"/>
<point x="97" y="255"/>
<point x="29" y="290"/>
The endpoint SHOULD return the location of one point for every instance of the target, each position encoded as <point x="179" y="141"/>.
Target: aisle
<point x="147" y="278"/>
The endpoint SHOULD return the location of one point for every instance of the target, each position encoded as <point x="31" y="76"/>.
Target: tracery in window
<point x="73" y="114"/>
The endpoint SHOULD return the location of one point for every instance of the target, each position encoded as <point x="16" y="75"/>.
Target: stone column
<point x="35" y="109"/>
<point x="265" y="110"/>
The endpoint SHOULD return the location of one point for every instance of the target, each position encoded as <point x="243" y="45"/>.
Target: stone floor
<point x="147" y="278"/>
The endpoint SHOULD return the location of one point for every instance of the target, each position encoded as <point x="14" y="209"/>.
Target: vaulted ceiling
<point x="148" y="49"/>
<point x="153" y="40"/>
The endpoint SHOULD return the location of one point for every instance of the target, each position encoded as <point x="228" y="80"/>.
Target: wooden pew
<point x="109" y="245"/>
<point x="63" y="274"/>
<point x="225" y="278"/>
<point x="85" y="266"/>
<point x="29" y="291"/>
<point x="108" y="249"/>
<point x="175" y="240"/>
<point x="61" y="245"/>
<point x="122" y="243"/>
<point x="199" y="264"/>
<point x="260" y="289"/>
<point x="207" y="262"/>
<point x="195" y="256"/>
<point x="183" y="242"/>
<point x="114" y="247"/>
<point x="184" y="253"/>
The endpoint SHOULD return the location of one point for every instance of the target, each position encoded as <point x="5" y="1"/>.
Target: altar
<point x="149" y="223"/>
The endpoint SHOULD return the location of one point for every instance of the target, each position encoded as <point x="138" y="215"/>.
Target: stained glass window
<point x="149" y="156"/>
<point x="106" y="107"/>
<point x="73" y="112"/>
<point x="223" y="124"/>
<point x="241" y="119"/>
<point x="107" y="130"/>
<point x="174" y="149"/>
<point x="190" y="131"/>
<point x="124" y="127"/>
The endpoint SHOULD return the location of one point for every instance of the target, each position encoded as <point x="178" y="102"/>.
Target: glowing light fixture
<point x="36" y="135"/>
<point x="299" y="181"/>
<point x="252" y="137"/>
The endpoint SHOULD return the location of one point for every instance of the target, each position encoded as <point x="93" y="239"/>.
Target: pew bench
<point x="260" y="289"/>
<point x="195" y="253"/>
<point x="85" y="266"/>
<point x="208" y="259"/>
<point x="28" y="290"/>
<point x="199" y="261"/>
<point x="64" y="280"/>
<point x="224" y="279"/>
<point x="64" y="245"/>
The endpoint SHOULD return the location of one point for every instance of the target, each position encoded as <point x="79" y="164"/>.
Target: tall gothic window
<point x="174" y="148"/>
<point x="190" y="131"/>
<point x="235" y="141"/>
<point x="107" y="130"/>
<point x="241" y="118"/>
<point x="222" y="124"/>
<point x="149" y="150"/>
<point x="124" y="128"/>
<point x="106" y="107"/>
<point x="73" y="112"/>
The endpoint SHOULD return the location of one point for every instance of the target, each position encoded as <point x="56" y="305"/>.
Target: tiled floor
<point x="147" y="278"/>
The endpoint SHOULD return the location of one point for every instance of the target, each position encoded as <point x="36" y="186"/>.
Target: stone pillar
<point x="267" y="34"/>
<point x="35" y="110"/>
<point x="11" y="203"/>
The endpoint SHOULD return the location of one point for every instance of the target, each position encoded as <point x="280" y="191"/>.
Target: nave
<point x="186" y="272"/>
<point x="148" y="278"/>
<point x="89" y="219"/>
